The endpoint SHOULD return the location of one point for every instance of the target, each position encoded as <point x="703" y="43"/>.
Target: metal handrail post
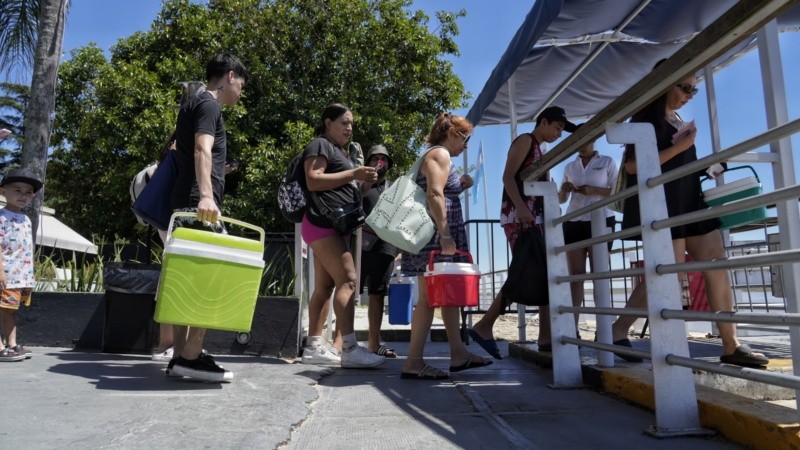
<point x="602" y="287"/>
<point x="566" y="358"/>
<point x="675" y="396"/>
<point x="782" y="172"/>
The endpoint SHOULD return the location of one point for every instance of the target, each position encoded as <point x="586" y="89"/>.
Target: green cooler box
<point x="210" y="280"/>
<point x="737" y="190"/>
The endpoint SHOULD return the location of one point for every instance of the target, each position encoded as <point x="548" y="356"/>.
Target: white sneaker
<point x="164" y="356"/>
<point x="320" y="355"/>
<point x="361" y="358"/>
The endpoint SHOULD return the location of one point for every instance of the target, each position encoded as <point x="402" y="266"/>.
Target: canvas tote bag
<point x="400" y="217"/>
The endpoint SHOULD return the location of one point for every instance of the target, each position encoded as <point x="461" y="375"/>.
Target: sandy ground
<point x="506" y="327"/>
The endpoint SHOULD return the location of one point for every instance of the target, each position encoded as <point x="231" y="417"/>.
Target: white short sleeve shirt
<point x="600" y="172"/>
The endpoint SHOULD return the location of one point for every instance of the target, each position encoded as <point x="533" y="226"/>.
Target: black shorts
<point x="579" y="231"/>
<point x="376" y="268"/>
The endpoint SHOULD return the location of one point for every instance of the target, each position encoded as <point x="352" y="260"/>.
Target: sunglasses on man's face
<point x="688" y="89"/>
<point x="464" y="136"/>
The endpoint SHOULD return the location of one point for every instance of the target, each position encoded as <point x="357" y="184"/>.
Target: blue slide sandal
<point x="487" y="344"/>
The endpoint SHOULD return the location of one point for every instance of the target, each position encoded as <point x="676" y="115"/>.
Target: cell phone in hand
<point x="687" y="128"/>
<point x="380" y="168"/>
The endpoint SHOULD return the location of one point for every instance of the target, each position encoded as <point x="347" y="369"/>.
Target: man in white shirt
<point x="587" y="179"/>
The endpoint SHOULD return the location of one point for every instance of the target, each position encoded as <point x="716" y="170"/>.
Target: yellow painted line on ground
<point x="753" y="423"/>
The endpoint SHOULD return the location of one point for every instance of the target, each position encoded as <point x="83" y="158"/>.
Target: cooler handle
<point x="436" y="252"/>
<point x="728" y="169"/>
<point x="229" y="220"/>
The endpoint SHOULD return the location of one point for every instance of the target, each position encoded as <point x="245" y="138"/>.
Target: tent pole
<point x="512" y="110"/>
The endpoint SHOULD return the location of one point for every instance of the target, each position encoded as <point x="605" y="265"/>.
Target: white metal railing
<point x="675" y="404"/>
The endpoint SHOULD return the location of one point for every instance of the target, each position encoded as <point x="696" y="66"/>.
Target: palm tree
<point x="19" y="21"/>
<point x="17" y="47"/>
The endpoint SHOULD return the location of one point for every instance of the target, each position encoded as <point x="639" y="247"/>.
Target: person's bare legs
<point x="545" y="336"/>
<point x="421" y="320"/>
<point x="179" y="334"/>
<point x="165" y="338"/>
<point x="319" y="302"/>
<point x="166" y="334"/>
<point x="718" y="284"/>
<point x="621" y="326"/>
<point x="576" y="264"/>
<point x="8" y="323"/>
<point x="194" y="343"/>
<point x="485" y="326"/>
<point x="459" y="354"/>
<point x="337" y="262"/>
<point x="638" y="298"/>
<point x="375" y="317"/>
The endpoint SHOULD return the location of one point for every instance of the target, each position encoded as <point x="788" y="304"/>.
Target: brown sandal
<point x="385" y="352"/>
<point x="427" y="373"/>
<point x="473" y="361"/>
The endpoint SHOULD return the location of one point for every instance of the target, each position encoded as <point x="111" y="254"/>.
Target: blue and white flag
<point x="478" y="175"/>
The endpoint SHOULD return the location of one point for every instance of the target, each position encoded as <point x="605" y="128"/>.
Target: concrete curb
<point x="753" y="423"/>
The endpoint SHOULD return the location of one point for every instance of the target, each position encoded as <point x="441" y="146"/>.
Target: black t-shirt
<point x="200" y="114"/>
<point x="371" y="197"/>
<point x="683" y="195"/>
<point x="348" y="193"/>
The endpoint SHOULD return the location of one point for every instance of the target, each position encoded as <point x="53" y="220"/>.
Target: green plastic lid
<point x="222" y="240"/>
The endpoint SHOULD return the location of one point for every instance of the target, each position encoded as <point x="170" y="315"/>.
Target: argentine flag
<point x="478" y="175"/>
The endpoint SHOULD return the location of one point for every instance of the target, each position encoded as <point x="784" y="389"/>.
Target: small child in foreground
<point x="16" y="259"/>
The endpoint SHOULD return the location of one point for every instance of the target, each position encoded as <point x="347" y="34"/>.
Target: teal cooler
<point x="210" y="280"/>
<point x="737" y="190"/>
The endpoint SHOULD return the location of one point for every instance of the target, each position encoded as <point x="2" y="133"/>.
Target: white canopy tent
<point x="54" y="233"/>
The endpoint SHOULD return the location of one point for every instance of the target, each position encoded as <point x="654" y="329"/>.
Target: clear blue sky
<point x="484" y="35"/>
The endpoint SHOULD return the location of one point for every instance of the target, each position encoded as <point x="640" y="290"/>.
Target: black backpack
<point x="291" y="191"/>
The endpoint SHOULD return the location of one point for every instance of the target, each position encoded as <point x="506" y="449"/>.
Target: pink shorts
<point x="311" y="232"/>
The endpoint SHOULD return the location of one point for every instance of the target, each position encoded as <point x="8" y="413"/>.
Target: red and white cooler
<point x="452" y="283"/>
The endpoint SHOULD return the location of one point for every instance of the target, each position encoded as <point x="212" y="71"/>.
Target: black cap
<point x="556" y="113"/>
<point x="23" y="176"/>
<point x="379" y="150"/>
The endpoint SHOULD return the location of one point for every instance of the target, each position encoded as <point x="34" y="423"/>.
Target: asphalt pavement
<point x="70" y="399"/>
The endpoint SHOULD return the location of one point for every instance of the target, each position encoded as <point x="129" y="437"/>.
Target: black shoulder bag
<point x="527" y="275"/>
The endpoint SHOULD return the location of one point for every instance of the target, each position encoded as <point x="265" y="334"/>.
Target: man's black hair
<point x="222" y="63"/>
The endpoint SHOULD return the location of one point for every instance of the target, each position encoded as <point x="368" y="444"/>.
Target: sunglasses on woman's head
<point x="687" y="89"/>
<point x="464" y="136"/>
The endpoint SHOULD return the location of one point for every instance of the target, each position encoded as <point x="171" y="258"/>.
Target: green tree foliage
<point x="377" y="56"/>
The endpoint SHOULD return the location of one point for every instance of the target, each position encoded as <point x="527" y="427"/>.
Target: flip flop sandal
<point x="744" y="356"/>
<point x="20" y="350"/>
<point x="427" y="373"/>
<point x="545" y="347"/>
<point x="627" y="343"/>
<point x="487" y="344"/>
<point x="473" y="361"/>
<point x="9" y="355"/>
<point x="386" y="352"/>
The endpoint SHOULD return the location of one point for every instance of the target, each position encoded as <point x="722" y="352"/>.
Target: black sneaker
<point x="171" y="364"/>
<point x="202" y="368"/>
